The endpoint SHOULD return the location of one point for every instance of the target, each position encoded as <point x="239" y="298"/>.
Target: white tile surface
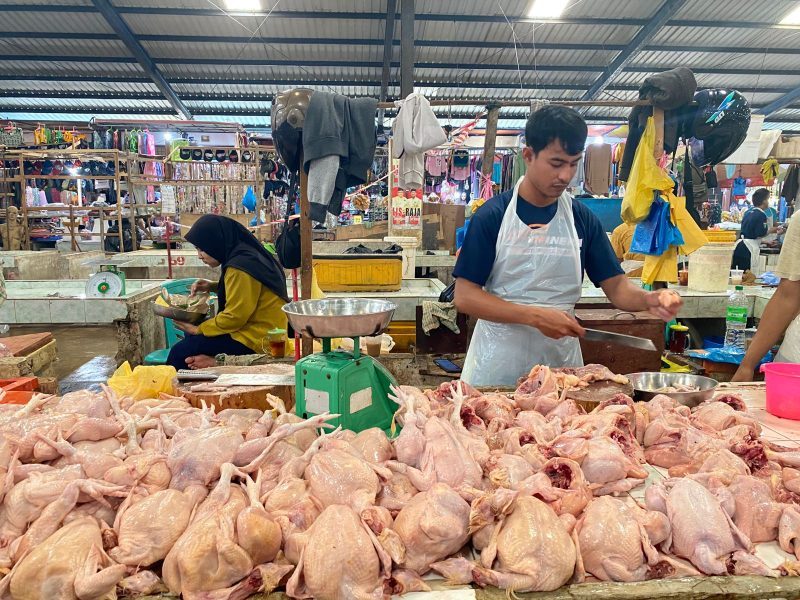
<point x="68" y="311"/>
<point x="33" y="311"/>
<point x="8" y="313"/>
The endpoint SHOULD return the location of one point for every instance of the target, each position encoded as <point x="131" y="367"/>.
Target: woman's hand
<point x="201" y="285"/>
<point x="187" y="327"/>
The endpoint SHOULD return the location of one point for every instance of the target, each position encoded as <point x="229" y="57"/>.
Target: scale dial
<point x="105" y="284"/>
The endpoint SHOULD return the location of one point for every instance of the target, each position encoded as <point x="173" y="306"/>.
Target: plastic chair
<point x="173" y="334"/>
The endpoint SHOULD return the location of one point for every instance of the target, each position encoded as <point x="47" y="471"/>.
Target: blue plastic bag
<point x="249" y="199"/>
<point x="656" y="233"/>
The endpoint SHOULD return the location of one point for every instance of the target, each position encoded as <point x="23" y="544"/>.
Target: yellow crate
<point x="719" y="235"/>
<point x="404" y="334"/>
<point x="359" y="272"/>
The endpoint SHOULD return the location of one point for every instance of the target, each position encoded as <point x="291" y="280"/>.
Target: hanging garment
<point x="598" y="169"/>
<point x="460" y="170"/>
<point x="436" y="165"/>
<point x="534" y="267"/>
<point x="739" y="187"/>
<point x="415" y="131"/>
<point x="580" y="174"/>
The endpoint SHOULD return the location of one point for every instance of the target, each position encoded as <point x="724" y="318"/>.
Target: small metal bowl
<point x="176" y="314"/>
<point x="340" y="317"/>
<point x="645" y="386"/>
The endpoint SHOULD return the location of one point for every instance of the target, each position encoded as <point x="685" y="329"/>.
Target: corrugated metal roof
<point x="480" y="61"/>
<point x="742" y="10"/>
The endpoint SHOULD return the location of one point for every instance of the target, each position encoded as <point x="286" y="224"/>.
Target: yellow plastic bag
<point x="143" y="382"/>
<point x="693" y="236"/>
<point x="646" y="177"/>
<point x="661" y="268"/>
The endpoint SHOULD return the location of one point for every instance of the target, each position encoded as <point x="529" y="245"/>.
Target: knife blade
<point x="596" y="335"/>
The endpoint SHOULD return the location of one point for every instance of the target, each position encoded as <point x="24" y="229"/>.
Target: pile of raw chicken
<point x="104" y="496"/>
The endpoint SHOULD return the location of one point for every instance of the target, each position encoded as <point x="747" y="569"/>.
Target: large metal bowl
<point x="177" y="314"/>
<point x="646" y="386"/>
<point x="340" y="317"/>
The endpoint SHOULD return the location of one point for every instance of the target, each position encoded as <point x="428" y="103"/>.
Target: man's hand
<point x="201" y="285"/>
<point x="554" y="323"/>
<point x="664" y="304"/>
<point x="187" y="327"/>
<point x="743" y="373"/>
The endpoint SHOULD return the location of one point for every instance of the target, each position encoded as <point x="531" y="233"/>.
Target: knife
<point x="596" y="335"/>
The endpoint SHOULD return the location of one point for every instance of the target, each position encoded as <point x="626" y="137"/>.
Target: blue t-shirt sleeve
<point x="600" y="262"/>
<point x="476" y="259"/>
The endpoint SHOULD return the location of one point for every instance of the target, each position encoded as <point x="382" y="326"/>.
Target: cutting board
<point x="22" y="345"/>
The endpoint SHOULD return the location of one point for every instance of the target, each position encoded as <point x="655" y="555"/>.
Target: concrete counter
<point x="696" y="305"/>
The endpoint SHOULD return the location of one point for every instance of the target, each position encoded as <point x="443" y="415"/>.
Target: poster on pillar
<point x="406" y="213"/>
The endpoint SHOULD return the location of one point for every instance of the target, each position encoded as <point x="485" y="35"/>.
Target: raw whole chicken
<point x="533" y="550"/>
<point x="69" y="565"/>
<point x="432" y="526"/>
<point x="617" y="539"/>
<point x="339" y="560"/>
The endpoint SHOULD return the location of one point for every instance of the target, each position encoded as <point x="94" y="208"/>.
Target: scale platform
<point x="345" y="383"/>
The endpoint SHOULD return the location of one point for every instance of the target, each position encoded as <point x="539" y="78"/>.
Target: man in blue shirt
<point x="755" y="227"/>
<point x="521" y="267"/>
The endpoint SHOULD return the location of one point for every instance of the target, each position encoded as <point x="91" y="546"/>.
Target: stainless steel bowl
<point x="645" y="386"/>
<point x="340" y="317"/>
<point x="177" y="314"/>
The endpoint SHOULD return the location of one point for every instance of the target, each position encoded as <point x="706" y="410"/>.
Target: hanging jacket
<point x="415" y="131"/>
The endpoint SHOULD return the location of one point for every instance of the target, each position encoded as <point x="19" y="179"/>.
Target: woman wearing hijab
<point x="251" y="291"/>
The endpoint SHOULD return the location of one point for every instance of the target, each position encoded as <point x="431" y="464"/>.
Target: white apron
<point x="754" y="246"/>
<point x="790" y="348"/>
<point x="539" y="267"/>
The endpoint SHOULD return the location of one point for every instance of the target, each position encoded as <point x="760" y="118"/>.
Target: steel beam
<point x="388" y="45"/>
<point x="639" y="41"/>
<point x="376" y="16"/>
<point x="127" y="36"/>
<point x="782" y="102"/>
<point x="406" y="47"/>
<point x="303" y="41"/>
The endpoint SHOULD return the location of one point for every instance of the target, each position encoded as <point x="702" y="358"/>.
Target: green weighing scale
<point x="109" y="282"/>
<point x="349" y="384"/>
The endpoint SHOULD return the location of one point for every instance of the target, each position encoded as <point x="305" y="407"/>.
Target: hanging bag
<point x="287" y="244"/>
<point x="11" y="136"/>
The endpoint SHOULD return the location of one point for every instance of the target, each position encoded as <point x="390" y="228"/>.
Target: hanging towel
<point x="435" y="314"/>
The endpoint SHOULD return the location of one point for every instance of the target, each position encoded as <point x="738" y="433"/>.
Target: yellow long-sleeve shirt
<point x="251" y="310"/>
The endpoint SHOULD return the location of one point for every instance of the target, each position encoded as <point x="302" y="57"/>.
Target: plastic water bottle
<point x="736" y="320"/>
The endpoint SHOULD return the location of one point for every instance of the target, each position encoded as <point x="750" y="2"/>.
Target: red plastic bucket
<point x="783" y="389"/>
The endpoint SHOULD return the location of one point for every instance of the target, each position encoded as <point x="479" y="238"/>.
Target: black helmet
<point x="719" y="126"/>
<point x="288" y="115"/>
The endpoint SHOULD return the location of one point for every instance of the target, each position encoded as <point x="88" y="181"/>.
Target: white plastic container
<point x="410" y="245"/>
<point x="710" y="267"/>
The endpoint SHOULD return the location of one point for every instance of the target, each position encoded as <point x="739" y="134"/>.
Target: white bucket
<point x="410" y="245"/>
<point x="710" y="267"/>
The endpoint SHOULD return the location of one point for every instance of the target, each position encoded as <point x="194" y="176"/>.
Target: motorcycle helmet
<point x="186" y="153"/>
<point x="220" y="155"/>
<point x="247" y="156"/>
<point x="208" y="155"/>
<point x="288" y="115"/>
<point x="718" y="126"/>
<point x="197" y="154"/>
<point x="234" y="156"/>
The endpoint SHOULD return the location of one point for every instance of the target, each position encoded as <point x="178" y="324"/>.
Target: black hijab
<point x="230" y="243"/>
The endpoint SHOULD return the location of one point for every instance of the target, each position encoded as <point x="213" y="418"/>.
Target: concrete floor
<point x="85" y="354"/>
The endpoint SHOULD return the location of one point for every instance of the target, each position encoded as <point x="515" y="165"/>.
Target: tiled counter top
<point x="696" y="305"/>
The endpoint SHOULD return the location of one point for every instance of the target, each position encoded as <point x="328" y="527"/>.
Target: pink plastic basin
<point x="783" y="389"/>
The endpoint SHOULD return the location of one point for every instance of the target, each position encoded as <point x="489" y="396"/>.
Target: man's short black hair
<point x="760" y="196"/>
<point x="556" y="122"/>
